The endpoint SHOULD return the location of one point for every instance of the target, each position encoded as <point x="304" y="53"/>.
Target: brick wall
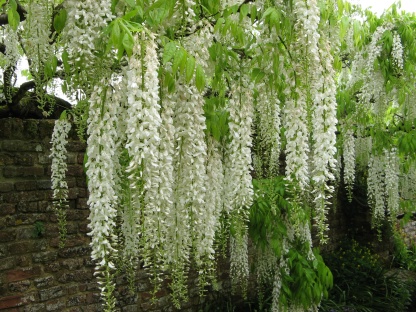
<point x="35" y="275"/>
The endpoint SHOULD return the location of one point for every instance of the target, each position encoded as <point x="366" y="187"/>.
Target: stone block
<point x="20" y="146"/>
<point x="6" y="187"/>
<point x="44" y="257"/>
<point x="45" y="281"/>
<point x="7" y="263"/>
<point x="31" y="128"/>
<point x="74" y="252"/>
<point x="51" y="293"/>
<point x="71" y="158"/>
<point x="20" y="286"/>
<point x="25" y="232"/>
<point x="7" y="209"/>
<point x="26" y="186"/>
<point x="16" y="172"/>
<point x="24" y="247"/>
<point x="7" y="235"/>
<point x="82" y="203"/>
<point x="25" y="159"/>
<point x="76" y="146"/>
<point x="11" y="128"/>
<point x="27" y="206"/>
<point x="6" y="159"/>
<point x="77" y="300"/>
<point x="39" y="307"/>
<point x="72" y="263"/>
<point x="55" y="305"/>
<point x="75" y="171"/>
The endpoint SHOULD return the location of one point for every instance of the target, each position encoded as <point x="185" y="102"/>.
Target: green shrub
<point x="362" y="283"/>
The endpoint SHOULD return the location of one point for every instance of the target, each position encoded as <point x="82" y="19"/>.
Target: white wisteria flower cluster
<point x="349" y="160"/>
<point x="11" y="41"/>
<point x="58" y="175"/>
<point x="37" y="40"/>
<point x="103" y="143"/>
<point x="85" y="21"/>
<point x="397" y="50"/>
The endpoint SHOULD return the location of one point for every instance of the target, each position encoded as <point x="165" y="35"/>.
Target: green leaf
<point x="128" y="43"/>
<point x="13" y="18"/>
<point x="253" y="13"/>
<point x="13" y="5"/>
<point x="257" y="75"/>
<point x="169" y="51"/>
<point x="244" y="9"/>
<point x="60" y="20"/>
<point x="190" y="68"/>
<point x="115" y="33"/>
<point x="64" y="87"/>
<point x="200" y="78"/>
<point x="65" y="61"/>
<point x="179" y="56"/>
<point x="130" y="3"/>
<point x="63" y="116"/>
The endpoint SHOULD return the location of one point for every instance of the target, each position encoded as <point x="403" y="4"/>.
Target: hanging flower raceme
<point x="238" y="182"/>
<point x="186" y="222"/>
<point x="11" y="41"/>
<point x="349" y="161"/>
<point x="392" y="182"/>
<point x="84" y="24"/>
<point x="37" y="40"/>
<point x="324" y="139"/>
<point x="376" y="188"/>
<point x="397" y="51"/>
<point x="297" y="145"/>
<point x="143" y="142"/>
<point x="213" y="208"/>
<point x="39" y="48"/>
<point x="58" y="174"/>
<point x="268" y="122"/>
<point x="102" y="168"/>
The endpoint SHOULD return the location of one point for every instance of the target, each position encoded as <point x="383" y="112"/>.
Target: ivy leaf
<point x="200" y="78"/>
<point x="60" y="20"/>
<point x="169" y="51"/>
<point x="128" y="43"/>
<point x="190" y="68"/>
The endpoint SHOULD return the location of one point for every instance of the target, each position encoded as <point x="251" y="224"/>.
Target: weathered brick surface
<point x="35" y="275"/>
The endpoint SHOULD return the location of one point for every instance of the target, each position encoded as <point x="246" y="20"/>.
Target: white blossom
<point x="397" y="50"/>
<point x="349" y="161"/>
<point x="84" y="24"/>
<point x="376" y="188"/>
<point x="392" y="181"/>
<point x="238" y="163"/>
<point x="102" y="173"/>
<point x="239" y="269"/>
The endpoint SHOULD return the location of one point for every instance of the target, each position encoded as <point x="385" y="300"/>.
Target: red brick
<point x="10" y="302"/>
<point x="22" y="274"/>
